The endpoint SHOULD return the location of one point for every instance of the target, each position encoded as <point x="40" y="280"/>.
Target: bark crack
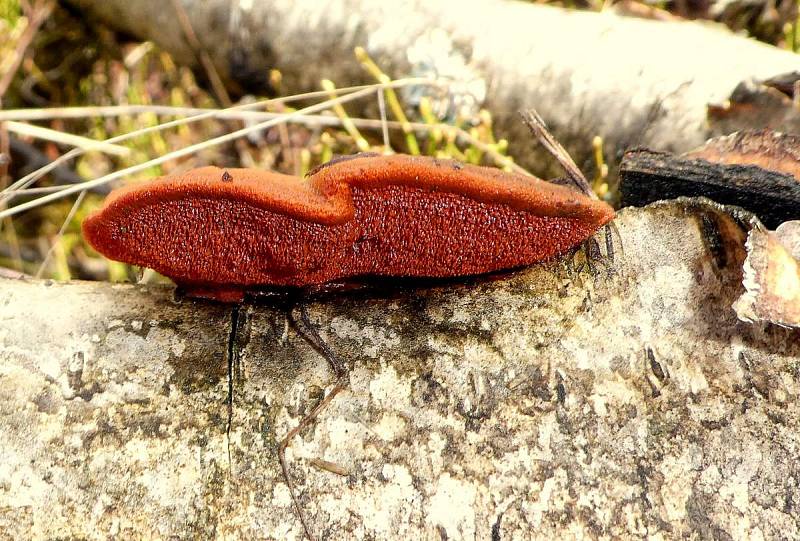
<point x="233" y="352"/>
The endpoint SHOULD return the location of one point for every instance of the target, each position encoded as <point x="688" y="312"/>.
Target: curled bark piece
<point x="756" y="104"/>
<point x="759" y="171"/>
<point x="768" y="149"/>
<point x="771" y="280"/>
<point x="788" y="234"/>
<point x="733" y="176"/>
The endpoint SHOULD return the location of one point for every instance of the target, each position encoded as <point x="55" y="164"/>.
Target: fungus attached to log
<point x="219" y="233"/>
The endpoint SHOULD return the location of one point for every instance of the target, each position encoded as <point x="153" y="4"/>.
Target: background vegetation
<point x="51" y="58"/>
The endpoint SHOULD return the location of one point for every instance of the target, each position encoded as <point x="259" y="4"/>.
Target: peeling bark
<point x="647" y="176"/>
<point x="618" y="399"/>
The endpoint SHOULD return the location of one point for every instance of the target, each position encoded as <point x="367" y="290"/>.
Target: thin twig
<point x="35" y="19"/>
<point x="539" y="129"/>
<point x="197" y="48"/>
<point x="306" y="330"/>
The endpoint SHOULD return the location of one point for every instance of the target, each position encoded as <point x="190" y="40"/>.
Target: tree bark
<point x="650" y="176"/>
<point x="634" y="82"/>
<point x="619" y="399"/>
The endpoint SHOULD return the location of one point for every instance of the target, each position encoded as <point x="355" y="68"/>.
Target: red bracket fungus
<point x="219" y="233"/>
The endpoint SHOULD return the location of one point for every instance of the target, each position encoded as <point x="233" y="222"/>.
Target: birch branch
<point x="616" y="399"/>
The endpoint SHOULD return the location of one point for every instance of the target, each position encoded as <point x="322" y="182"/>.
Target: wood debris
<point x="758" y="171"/>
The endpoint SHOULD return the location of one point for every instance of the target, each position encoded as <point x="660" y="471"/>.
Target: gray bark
<point x="620" y="400"/>
<point x="634" y="82"/>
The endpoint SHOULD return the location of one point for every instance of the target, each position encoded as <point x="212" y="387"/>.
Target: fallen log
<point x="616" y="398"/>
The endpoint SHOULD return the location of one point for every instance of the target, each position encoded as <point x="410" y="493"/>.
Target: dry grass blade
<point x="191" y="149"/>
<point x="81" y="112"/>
<point x="539" y="129"/>
<point x="384" y="127"/>
<point x="361" y="142"/>
<point x="19" y="188"/>
<point x="308" y="120"/>
<point x="55" y="136"/>
<point x="60" y="234"/>
<point x="230" y="112"/>
<point x="27" y="192"/>
<point x="391" y="97"/>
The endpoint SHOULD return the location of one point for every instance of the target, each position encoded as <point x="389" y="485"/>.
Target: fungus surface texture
<point x="220" y="232"/>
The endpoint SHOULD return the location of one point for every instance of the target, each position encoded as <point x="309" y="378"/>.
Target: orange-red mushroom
<point x="219" y="233"/>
